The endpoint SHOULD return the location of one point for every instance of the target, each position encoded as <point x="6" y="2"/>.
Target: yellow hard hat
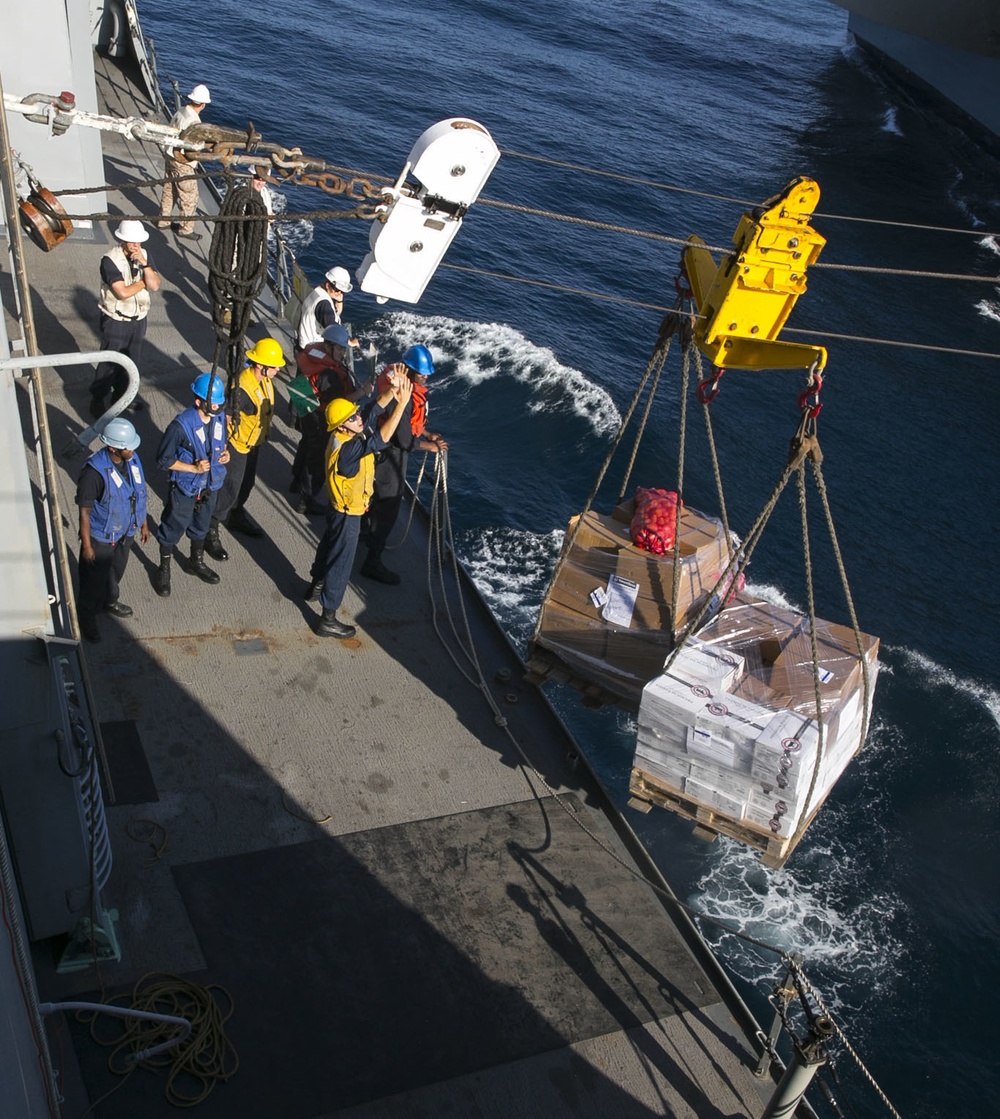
<point x="339" y="410"/>
<point x="267" y="352"/>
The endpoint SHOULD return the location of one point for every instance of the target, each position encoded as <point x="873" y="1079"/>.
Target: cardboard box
<point x="637" y="654"/>
<point x="727" y="781"/>
<point x="716" y="667"/>
<point x="730" y="806"/>
<point x="574" y="583"/>
<point x="563" y="629"/>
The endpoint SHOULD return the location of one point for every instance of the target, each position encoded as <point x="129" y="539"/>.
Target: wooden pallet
<point x="647" y="791"/>
<point x="543" y="666"/>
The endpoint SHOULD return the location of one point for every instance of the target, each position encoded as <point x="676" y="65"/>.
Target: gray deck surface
<point x="353" y="849"/>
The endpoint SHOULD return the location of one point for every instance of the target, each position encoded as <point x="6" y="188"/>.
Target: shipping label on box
<point x="622" y="594"/>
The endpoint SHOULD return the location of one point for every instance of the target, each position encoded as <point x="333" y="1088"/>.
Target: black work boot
<point x="197" y="563"/>
<point x="330" y="627"/>
<point x="213" y="545"/>
<point x="314" y="590"/>
<point x="374" y="568"/>
<point x="161" y="580"/>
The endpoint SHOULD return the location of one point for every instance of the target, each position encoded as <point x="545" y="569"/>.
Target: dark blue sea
<point x="893" y="898"/>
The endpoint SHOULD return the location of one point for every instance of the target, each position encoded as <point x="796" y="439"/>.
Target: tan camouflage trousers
<point x="179" y="190"/>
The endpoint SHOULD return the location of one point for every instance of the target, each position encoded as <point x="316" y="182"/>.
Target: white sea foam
<point x="770" y="593"/>
<point x="890" y="123"/>
<point x="850" y="948"/>
<point x="991" y="243"/>
<point x="936" y="676"/>
<point x="511" y="568"/>
<point x="988" y="309"/>
<point x="482" y="351"/>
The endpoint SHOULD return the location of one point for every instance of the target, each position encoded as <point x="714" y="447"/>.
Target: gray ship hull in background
<point x="951" y="47"/>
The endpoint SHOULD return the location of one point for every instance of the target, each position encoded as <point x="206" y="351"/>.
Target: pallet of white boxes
<point x="729" y="737"/>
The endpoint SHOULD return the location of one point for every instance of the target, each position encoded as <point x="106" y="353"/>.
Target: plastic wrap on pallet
<point x="732" y="725"/>
<point x="609" y="615"/>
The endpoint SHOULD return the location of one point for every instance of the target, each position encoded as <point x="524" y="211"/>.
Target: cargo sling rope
<point x="803" y="446"/>
<point x="672" y="321"/>
<point x="442" y="553"/>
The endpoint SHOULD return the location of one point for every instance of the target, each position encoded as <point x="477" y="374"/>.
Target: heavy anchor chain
<point x="235" y="149"/>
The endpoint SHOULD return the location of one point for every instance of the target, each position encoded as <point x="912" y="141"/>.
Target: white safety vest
<point x="124" y="310"/>
<point x="309" y="329"/>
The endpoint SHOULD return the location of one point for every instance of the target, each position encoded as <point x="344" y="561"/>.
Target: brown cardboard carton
<point x="641" y="655"/>
<point x="562" y="629"/>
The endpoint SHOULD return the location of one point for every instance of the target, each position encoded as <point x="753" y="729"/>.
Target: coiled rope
<point x="237" y="268"/>
<point x="197" y="1064"/>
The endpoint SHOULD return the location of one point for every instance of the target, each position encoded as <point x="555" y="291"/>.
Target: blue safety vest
<point x="193" y="427"/>
<point x="122" y="507"/>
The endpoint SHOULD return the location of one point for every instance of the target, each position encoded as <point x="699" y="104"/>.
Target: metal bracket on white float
<point x="450" y="162"/>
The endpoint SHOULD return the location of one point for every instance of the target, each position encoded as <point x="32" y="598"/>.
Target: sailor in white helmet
<point x="322" y="307"/>
<point x="177" y="169"/>
<point x="128" y="275"/>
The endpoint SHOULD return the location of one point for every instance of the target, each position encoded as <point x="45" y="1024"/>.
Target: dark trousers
<point x="309" y="465"/>
<point x="124" y="338"/>
<point x="99" y="581"/>
<point x="241" y="473"/>
<point x="184" y="513"/>
<point x="335" y="557"/>
<point x="380" y="520"/>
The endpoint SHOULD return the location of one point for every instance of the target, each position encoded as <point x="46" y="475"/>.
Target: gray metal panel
<point x="24" y="597"/>
<point x="43" y="42"/>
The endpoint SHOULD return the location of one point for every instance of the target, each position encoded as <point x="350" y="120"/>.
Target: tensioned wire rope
<point x="635" y="179"/>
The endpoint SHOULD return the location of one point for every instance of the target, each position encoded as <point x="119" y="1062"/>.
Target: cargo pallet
<point x="543" y="666"/>
<point x="710" y="823"/>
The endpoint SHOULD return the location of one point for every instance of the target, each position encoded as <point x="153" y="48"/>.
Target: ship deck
<point x="406" y="920"/>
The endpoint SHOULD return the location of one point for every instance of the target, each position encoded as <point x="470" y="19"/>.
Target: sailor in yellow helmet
<point x="350" y="479"/>
<point x="251" y="410"/>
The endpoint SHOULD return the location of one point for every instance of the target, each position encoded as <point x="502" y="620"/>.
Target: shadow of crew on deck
<point x="563" y="927"/>
<point x="367" y="949"/>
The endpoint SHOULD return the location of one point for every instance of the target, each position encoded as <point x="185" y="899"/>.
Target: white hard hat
<point x="200" y="95"/>
<point x="130" y="230"/>
<point x="340" y="278"/>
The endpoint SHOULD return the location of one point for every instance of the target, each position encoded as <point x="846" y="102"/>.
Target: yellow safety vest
<point x="349" y="495"/>
<point x="249" y="429"/>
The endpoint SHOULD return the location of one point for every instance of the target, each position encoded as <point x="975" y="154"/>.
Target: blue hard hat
<point x="120" y="434"/>
<point x="337" y="334"/>
<point x="201" y="390"/>
<point x="418" y="358"/>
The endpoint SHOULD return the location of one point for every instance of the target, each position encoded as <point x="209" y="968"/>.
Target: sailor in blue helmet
<point x="111" y="494"/>
<point x="390" y="470"/>
<point x="193" y="449"/>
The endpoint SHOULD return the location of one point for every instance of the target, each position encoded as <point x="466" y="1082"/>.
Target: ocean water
<point x="893" y="898"/>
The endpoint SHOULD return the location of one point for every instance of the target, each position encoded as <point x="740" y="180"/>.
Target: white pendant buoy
<point x="450" y="162"/>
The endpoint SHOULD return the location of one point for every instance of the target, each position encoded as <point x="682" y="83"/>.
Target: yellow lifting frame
<point x="744" y="302"/>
